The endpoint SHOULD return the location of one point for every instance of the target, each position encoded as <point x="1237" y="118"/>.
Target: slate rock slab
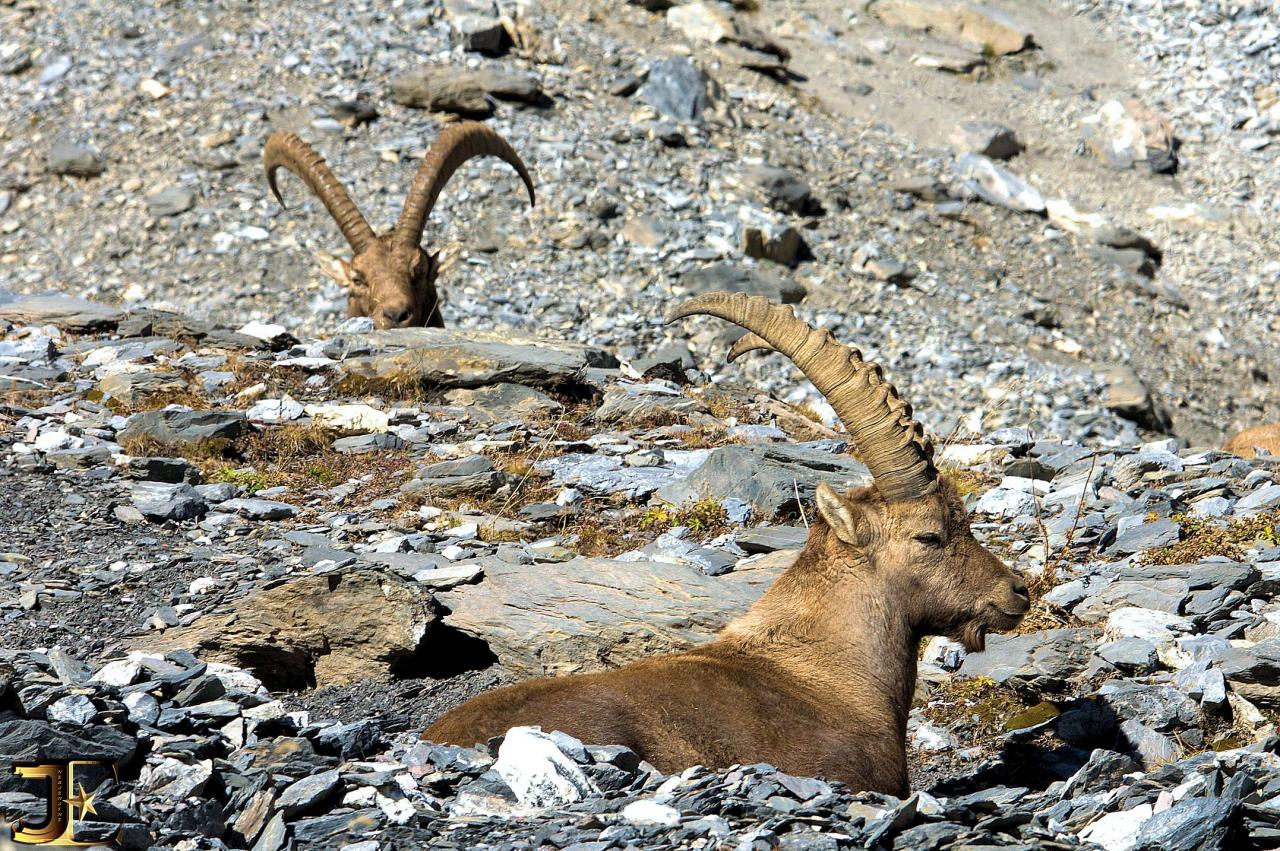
<point x="769" y="477"/>
<point x="730" y="277"/>
<point x="448" y="358"/>
<point x="589" y="614"/>
<point x="172" y="427"/>
<point x="65" y="312"/>
<point x="28" y="740"/>
<point x="1044" y="660"/>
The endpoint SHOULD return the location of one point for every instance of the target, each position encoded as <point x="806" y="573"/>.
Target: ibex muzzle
<point x="817" y="677"/>
<point x="391" y="278"/>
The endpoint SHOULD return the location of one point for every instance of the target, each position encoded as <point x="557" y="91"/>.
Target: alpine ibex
<point x="1247" y="443"/>
<point x="818" y="676"/>
<point x="391" y="278"/>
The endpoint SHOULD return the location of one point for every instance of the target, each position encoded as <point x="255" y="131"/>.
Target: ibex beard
<point x="818" y="676"/>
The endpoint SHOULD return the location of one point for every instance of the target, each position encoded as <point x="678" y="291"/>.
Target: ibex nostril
<point x="398" y="317"/>
<point x="1020" y="588"/>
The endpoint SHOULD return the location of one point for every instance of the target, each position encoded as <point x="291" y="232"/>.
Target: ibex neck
<point x="841" y="628"/>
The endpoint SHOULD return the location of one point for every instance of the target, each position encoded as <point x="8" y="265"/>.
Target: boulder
<point x="972" y="24"/>
<point x="1043" y="660"/>
<point x="775" y="479"/>
<point x="676" y="88"/>
<point x="589" y="614"/>
<point x="314" y="631"/>
<point x="63" y="311"/>
<point x="448" y="358"/>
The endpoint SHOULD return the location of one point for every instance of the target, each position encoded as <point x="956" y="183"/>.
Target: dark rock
<point x="676" y="88"/>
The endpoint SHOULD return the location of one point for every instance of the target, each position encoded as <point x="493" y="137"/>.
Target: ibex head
<point x="909" y="529"/>
<point x="390" y="278"/>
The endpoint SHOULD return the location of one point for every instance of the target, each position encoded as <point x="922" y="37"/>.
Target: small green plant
<point x="248" y="479"/>
<point x="701" y="516"/>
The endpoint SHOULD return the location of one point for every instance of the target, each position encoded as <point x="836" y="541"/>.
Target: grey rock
<point x="770" y="477"/>
<point x="177" y="427"/>
<point x="988" y="138"/>
<point x="73" y="160"/>
<point x="1192" y="824"/>
<point x="159" y="501"/>
<point x="66" y="312"/>
<point x="259" y="509"/>
<point x="676" y="88"/>
<point x="1130" y="654"/>
<point x="476" y="26"/>
<point x="593" y="613"/>
<point x="782" y="189"/>
<point x="302" y="795"/>
<point x="1152" y="748"/>
<point x="1043" y="660"/>
<point x="172" y="201"/>
<point x="1163" y="708"/>
<point x="1165" y="595"/>
<point x="1146" y="536"/>
<point x="447" y="358"/>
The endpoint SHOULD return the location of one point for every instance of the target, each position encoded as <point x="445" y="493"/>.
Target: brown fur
<point x="388" y="285"/>
<point x="1259" y="437"/>
<point x="816" y="678"/>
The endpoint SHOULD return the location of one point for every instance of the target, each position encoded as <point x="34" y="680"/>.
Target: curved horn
<point x="286" y="149"/>
<point x="748" y="342"/>
<point x="891" y="443"/>
<point x="456" y="144"/>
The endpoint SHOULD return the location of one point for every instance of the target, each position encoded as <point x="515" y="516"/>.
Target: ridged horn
<point x="892" y="444"/>
<point x="289" y="151"/>
<point x="455" y="145"/>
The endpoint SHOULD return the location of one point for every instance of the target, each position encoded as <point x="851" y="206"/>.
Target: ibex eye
<point x="933" y="539"/>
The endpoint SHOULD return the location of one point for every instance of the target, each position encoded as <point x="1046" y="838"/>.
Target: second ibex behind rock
<point x="390" y="278"/>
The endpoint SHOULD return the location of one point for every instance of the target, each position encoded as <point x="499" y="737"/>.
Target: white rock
<point x="52" y="439"/>
<point x="262" y="330"/>
<point x="203" y="585"/>
<point x="971" y="454"/>
<point x="361" y="419"/>
<point x="1006" y="502"/>
<point x="1117" y="831"/>
<point x="943" y="652"/>
<point x="537" y="772"/>
<point x="649" y="812"/>
<point x="72" y="709"/>
<point x="120" y="673"/>
<point x="143" y="708"/>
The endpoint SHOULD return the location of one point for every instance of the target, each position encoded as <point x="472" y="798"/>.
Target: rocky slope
<point x="251" y="570"/>
<point x="248" y="551"/>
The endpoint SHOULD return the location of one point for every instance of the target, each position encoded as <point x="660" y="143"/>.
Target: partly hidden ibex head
<point x="910" y="527"/>
<point x="390" y="278"/>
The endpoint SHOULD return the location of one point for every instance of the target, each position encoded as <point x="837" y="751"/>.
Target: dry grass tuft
<point x="1202" y="538"/>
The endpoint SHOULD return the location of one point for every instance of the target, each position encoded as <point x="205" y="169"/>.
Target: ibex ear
<point x="338" y="269"/>
<point x="843" y="518"/>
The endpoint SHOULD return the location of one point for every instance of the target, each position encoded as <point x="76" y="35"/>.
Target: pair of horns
<point x="456" y="144"/>
<point x="891" y="443"/>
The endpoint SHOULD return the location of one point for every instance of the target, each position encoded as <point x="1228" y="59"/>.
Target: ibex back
<point x="817" y="677"/>
<point x="390" y="278"/>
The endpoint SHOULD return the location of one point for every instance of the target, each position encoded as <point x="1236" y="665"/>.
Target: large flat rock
<point x="770" y="477"/>
<point x="590" y="614"/>
<point x="63" y="311"/>
<point x="447" y="358"/>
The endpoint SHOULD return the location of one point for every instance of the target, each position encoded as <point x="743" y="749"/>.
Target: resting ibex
<point x="817" y="677"/>
<point x="1246" y="443"/>
<point x="391" y="279"/>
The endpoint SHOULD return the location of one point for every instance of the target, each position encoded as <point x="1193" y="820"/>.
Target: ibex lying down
<point x="818" y="676"/>
<point x="391" y="279"/>
<point x="1246" y="443"/>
